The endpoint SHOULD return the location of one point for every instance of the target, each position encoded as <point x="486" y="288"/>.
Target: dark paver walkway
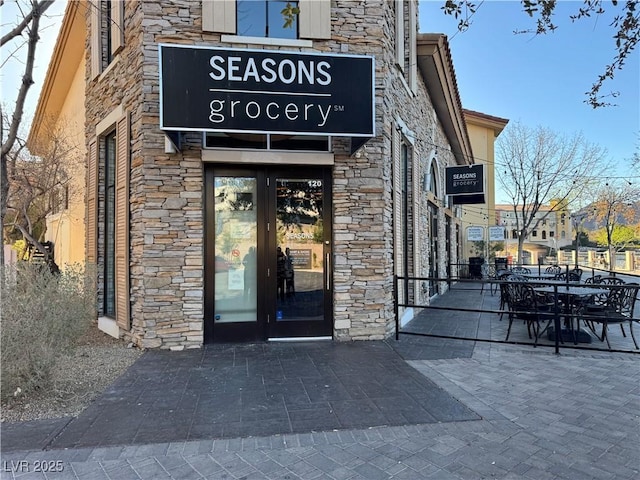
<point x="226" y="391"/>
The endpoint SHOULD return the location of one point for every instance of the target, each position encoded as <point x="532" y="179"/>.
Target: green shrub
<point x="43" y="315"/>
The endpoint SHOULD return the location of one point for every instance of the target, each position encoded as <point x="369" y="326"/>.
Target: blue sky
<point x="542" y="80"/>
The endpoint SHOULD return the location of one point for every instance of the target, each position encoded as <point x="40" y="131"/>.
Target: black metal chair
<point x="616" y="308"/>
<point x="598" y="303"/>
<point x="573" y="276"/>
<point x="489" y="275"/>
<point x="577" y="273"/>
<point x="553" y="269"/>
<point x="503" y="284"/>
<point x="520" y="269"/>
<point x="611" y="281"/>
<point x="534" y="309"/>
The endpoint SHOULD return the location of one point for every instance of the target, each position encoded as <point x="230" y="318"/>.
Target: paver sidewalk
<point x="417" y="408"/>
<point x="543" y="417"/>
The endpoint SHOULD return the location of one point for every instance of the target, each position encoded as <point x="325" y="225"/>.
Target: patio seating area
<point x="480" y="311"/>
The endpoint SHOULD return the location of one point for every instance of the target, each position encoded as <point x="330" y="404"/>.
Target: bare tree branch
<point x="32" y="24"/>
<point x="38" y="9"/>
<point x="612" y="205"/>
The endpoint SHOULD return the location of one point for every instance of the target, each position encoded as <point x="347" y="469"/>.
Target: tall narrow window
<point x="404" y="169"/>
<point x="265" y="19"/>
<point x="434" y="259"/>
<point x="433" y="186"/>
<point x="406" y="50"/>
<point x="108" y="34"/>
<point x="109" y="226"/>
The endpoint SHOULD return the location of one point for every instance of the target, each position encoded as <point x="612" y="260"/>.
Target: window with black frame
<point x="267" y="141"/>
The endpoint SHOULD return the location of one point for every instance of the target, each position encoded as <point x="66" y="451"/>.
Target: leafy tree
<point x="617" y="238"/>
<point x="29" y="26"/>
<point x="479" y="249"/>
<point x="542" y="167"/>
<point x="583" y="239"/>
<point x="289" y="13"/>
<point x="623" y="17"/>
<point x="318" y="231"/>
<point x="227" y="242"/>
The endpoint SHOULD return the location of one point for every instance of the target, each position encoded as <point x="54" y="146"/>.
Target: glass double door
<point x="267" y="253"/>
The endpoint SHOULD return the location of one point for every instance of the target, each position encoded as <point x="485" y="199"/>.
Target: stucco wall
<point x="67" y="229"/>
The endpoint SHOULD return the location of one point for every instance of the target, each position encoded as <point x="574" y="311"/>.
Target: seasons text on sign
<point x="269" y="70"/>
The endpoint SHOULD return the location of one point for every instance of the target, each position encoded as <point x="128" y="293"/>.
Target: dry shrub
<point x="43" y="315"/>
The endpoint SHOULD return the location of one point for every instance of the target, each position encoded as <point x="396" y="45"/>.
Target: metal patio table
<point x="569" y="296"/>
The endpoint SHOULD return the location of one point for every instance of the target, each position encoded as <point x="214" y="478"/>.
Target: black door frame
<point x="266" y="326"/>
<point x="303" y="329"/>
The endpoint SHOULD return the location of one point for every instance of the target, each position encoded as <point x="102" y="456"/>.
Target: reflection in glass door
<point x="268" y="254"/>
<point x="302" y="257"/>
<point x="235" y="249"/>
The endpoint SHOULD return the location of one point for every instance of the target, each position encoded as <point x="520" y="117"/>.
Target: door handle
<point x="327" y="270"/>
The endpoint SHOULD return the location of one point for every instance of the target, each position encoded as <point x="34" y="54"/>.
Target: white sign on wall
<point x="496" y="234"/>
<point x="475" y="234"/>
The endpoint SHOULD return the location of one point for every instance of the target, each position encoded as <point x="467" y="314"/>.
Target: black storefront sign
<point x="465" y="184"/>
<point x="265" y="91"/>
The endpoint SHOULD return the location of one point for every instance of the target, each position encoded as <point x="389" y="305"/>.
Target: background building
<point x="60" y="117"/>
<point x="550" y="231"/>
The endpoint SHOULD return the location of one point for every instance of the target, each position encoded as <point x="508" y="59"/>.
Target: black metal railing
<point x="470" y="309"/>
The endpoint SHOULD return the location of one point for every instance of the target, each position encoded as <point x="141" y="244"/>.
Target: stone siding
<point x="166" y="191"/>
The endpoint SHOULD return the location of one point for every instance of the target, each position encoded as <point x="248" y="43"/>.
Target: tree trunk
<point x="4" y="192"/>
<point x="612" y="258"/>
<point x="520" y="249"/>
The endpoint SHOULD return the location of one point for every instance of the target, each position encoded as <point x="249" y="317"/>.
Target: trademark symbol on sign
<point x="338" y="108"/>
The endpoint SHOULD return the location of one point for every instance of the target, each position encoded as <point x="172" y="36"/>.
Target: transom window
<point x="264" y="18"/>
<point x="254" y="141"/>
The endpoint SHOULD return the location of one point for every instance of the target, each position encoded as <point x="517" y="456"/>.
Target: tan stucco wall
<point x="60" y="116"/>
<point x="481" y="214"/>
<point x="67" y="229"/>
<point x="483" y="130"/>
